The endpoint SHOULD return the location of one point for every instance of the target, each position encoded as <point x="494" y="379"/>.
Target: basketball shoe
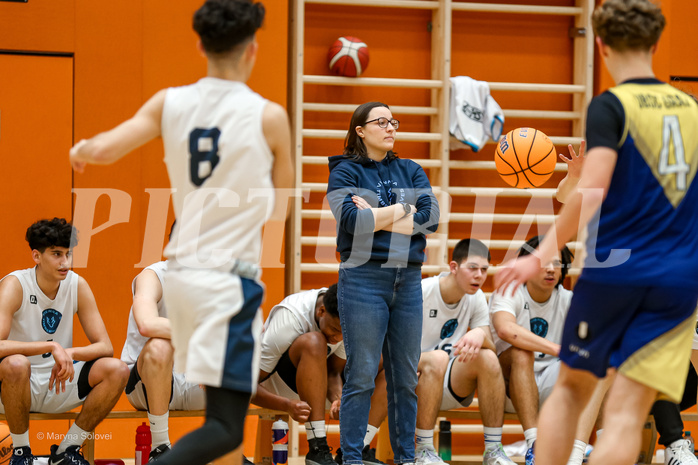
<point x="530" y="455"/>
<point x="158" y="451"/>
<point x="319" y="453"/>
<point x="71" y="456"/>
<point x="22" y="456"/>
<point x="679" y="453"/>
<point x="427" y="455"/>
<point x="368" y="456"/>
<point x="496" y="456"/>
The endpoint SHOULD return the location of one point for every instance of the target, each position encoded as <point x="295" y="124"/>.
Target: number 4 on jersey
<point x="671" y="135"/>
<point x="203" y="150"/>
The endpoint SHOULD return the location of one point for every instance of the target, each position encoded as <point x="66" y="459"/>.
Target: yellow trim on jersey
<point x="663" y="123"/>
<point x="662" y="364"/>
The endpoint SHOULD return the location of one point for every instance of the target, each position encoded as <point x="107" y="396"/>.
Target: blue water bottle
<point x="279" y="453"/>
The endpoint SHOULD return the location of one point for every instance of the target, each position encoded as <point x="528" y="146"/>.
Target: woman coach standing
<point x="384" y="207"/>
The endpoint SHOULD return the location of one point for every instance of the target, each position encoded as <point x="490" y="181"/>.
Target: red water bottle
<point x="143" y="442"/>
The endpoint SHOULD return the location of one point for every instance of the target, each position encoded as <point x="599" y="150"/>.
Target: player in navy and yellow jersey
<point x="633" y="305"/>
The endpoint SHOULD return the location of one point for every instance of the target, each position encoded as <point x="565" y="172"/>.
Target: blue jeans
<point x="380" y="310"/>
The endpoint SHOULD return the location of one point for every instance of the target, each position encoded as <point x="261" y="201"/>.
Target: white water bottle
<point x="279" y="453"/>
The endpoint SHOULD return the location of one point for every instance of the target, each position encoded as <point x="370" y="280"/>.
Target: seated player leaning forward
<point x="528" y="329"/>
<point x="40" y="370"/>
<point x="301" y="365"/>
<point x="149" y="354"/>
<point x="458" y="353"/>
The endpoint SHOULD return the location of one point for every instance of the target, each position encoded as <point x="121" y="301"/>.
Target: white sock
<point x="159" y="429"/>
<point x="530" y="434"/>
<point x="577" y="455"/>
<point x="425" y="438"/>
<point x="20" y="440"/>
<point x="598" y="433"/>
<point x="370" y="434"/>
<point x="493" y="437"/>
<point x="74" y="437"/>
<point x="315" y="429"/>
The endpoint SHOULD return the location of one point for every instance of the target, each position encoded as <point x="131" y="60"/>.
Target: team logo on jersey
<point x="391" y="197"/>
<point x="525" y="305"/>
<point x="32" y="299"/>
<point x="433" y="312"/>
<point x="474" y="113"/>
<point x="449" y="328"/>
<point x="50" y="319"/>
<point x="539" y="327"/>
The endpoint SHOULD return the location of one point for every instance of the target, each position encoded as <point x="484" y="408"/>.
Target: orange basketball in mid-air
<point x="5" y="444"/>
<point x="525" y="158"/>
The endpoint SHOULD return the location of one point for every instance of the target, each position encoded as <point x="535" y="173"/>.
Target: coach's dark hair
<point x="353" y="144"/>
<point x="51" y="233"/>
<point x="566" y="256"/>
<point x="329" y="301"/>
<point x="222" y="25"/>
<point x="470" y="248"/>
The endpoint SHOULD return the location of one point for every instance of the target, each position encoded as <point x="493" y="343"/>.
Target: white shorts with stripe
<point x="216" y="326"/>
<point x="545" y="380"/>
<point x="44" y="400"/>
<point x="185" y="396"/>
<point x="449" y="400"/>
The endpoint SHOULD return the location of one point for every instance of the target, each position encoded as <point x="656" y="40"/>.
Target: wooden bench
<point x="89" y="446"/>
<point x="267" y="417"/>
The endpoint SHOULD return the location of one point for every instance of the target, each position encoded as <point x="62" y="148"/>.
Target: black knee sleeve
<point x="226" y="410"/>
<point x="667" y="417"/>
<point x="220" y="434"/>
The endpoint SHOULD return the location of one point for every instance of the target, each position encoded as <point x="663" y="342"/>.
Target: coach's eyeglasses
<point x="383" y="122"/>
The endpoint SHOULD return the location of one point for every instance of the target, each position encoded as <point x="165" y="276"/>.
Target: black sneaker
<point x="71" y="456"/>
<point x="368" y="456"/>
<point x="247" y="461"/>
<point x="319" y="453"/>
<point x="22" y="456"/>
<point x="158" y="451"/>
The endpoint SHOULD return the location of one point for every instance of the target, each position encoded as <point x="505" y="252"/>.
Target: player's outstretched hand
<point x="77" y="164"/>
<point x="299" y="411"/>
<point x="516" y="272"/>
<point x="575" y="162"/>
<point x="334" y="409"/>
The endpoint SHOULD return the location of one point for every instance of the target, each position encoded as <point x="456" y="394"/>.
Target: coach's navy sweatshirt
<point x="393" y="180"/>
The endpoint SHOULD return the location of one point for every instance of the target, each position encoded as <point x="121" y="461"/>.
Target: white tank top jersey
<point x="134" y="340"/>
<point x="219" y="164"/>
<point x="42" y="319"/>
<point x="442" y="324"/>
<point x="292" y="317"/>
<point x="546" y="319"/>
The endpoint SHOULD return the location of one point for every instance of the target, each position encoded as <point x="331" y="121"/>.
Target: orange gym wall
<point x="125" y="51"/>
